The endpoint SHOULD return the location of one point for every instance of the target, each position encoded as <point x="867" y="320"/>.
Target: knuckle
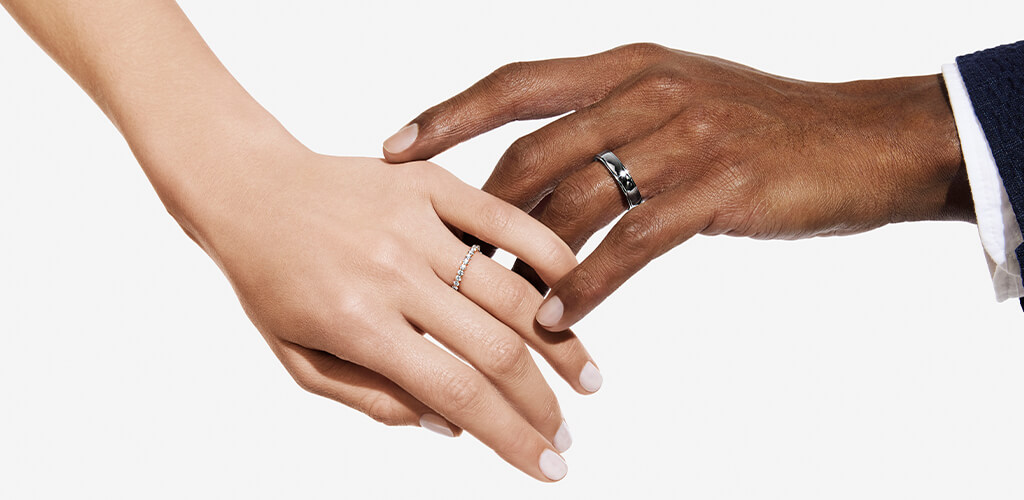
<point x="586" y="283"/>
<point x="702" y="124"/>
<point x="442" y="121"/>
<point x="381" y="408"/>
<point x="735" y="181"/>
<point x="498" y="216"/>
<point x="556" y="255"/>
<point x="428" y="170"/>
<point x="637" y="232"/>
<point x="572" y="354"/>
<point x="425" y="174"/>
<point x="347" y="308"/>
<point x="520" y="170"/>
<point x="569" y="201"/>
<point x="511" y="76"/>
<point x="524" y="156"/>
<point x="508" y="358"/>
<point x="550" y="411"/>
<point x="387" y="255"/>
<point x="708" y="125"/>
<point x="644" y="51"/>
<point x="461" y="392"/>
<point x="517" y="442"/>
<point x="518" y="298"/>
<point x="665" y="82"/>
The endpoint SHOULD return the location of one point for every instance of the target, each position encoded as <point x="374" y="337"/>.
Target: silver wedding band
<point x="462" y="269"/>
<point x="621" y="175"/>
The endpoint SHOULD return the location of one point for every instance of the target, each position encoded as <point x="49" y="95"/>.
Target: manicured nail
<point x="552" y="465"/>
<point x="550" y="312"/>
<point x="590" y="377"/>
<point x="435" y="423"/>
<point x="563" y="440"/>
<point x="402" y="139"/>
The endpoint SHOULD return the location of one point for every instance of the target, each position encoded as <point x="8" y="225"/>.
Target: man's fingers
<point x="641" y="235"/>
<point x="354" y="386"/>
<point x="518" y="91"/>
<point x="533" y="165"/>
<point x="589" y="199"/>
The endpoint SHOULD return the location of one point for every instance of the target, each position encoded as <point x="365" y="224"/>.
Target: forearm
<point x="148" y="69"/>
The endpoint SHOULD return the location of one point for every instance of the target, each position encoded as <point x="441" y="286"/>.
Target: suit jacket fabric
<point x="995" y="82"/>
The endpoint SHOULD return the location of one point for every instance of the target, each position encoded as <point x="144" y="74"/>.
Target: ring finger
<point x="590" y="198"/>
<point x="537" y="162"/>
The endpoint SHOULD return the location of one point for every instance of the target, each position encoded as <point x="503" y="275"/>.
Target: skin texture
<point x="341" y="283"/>
<point x="715" y="148"/>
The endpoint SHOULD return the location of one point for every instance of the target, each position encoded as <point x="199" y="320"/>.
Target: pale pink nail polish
<point x="432" y="422"/>
<point x="552" y="465"/>
<point x="590" y="377"/>
<point x="563" y="440"/>
<point x="402" y="139"/>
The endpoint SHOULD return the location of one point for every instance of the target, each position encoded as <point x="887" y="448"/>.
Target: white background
<point x="874" y="366"/>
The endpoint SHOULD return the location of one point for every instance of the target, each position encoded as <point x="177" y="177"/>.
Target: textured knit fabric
<point x="997" y="223"/>
<point x="995" y="82"/>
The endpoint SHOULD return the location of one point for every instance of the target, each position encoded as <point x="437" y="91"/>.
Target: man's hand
<point x="715" y="148"/>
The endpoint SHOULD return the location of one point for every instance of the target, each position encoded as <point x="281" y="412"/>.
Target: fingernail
<point x="432" y="422"/>
<point x="550" y="312"/>
<point x="552" y="465"/>
<point x="402" y="139"/>
<point x="590" y="377"/>
<point x="563" y="440"/>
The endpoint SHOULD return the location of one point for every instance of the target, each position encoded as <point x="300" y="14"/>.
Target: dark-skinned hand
<point x="715" y="148"/>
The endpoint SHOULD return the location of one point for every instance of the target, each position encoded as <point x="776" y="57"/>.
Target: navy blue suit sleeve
<point x="995" y="82"/>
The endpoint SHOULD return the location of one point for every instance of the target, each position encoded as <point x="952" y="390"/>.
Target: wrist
<point x="942" y="156"/>
<point x="924" y="177"/>
<point x="208" y="159"/>
<point x="943" y="192"/>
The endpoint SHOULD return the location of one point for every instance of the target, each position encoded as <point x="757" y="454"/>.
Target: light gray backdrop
<point x="874" y="366"/>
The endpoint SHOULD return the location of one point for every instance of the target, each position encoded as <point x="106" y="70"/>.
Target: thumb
<point x="517" y="91"/>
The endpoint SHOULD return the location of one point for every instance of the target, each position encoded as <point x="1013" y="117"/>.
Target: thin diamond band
<point x="462" y="269"/>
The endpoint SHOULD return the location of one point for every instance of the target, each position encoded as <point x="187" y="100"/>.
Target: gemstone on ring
<point x="462" y="269"/>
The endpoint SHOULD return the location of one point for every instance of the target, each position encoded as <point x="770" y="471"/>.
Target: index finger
<point x="517" y="91"/>
<point x="496" y="222"/>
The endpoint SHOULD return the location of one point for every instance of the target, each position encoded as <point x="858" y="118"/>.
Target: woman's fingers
<point x="512" y="300"/>
<point x="518" y="91"/>
<point x="498" y="353"/>
<point x="502" y="225"/>
<point x="463" y="396"/>
<point x="354" y="386"/>
<point x="642" y="234"/>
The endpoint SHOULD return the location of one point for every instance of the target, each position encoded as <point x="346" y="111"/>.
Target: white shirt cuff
<point x="997" y="224"/>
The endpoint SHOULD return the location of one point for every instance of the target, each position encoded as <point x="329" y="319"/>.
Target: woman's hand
<point x="714" y="147"/>
<point x="344" y="263"/>
<point x="341" y="263"/>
